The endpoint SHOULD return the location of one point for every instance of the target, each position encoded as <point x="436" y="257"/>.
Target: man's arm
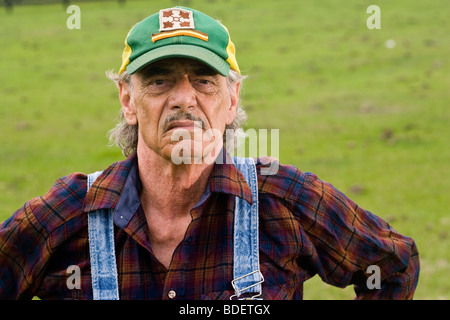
<point x="31" y="235"/>
<point x="353" y="246"/>
<point x="22" y="250"/>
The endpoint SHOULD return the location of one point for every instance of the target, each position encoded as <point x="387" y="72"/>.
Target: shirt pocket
<point x="218" y="295"/>
<point x="268" y="293"/>
<point x="54" y="287"/>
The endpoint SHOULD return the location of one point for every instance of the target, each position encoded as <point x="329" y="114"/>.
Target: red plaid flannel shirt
<point x="307" y="227"/>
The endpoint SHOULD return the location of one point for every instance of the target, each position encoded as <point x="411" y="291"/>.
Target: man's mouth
<point x="184" y="124"/>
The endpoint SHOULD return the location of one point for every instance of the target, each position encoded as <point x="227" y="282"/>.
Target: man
<point x="182" y="219"/>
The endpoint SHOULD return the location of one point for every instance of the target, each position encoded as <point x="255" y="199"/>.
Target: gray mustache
<point x="181" y="116"/>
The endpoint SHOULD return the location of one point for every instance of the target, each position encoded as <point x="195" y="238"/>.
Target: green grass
<point x="371" y="120"/>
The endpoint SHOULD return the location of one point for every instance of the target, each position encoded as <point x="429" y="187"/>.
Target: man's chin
<point x="191" y="152"/>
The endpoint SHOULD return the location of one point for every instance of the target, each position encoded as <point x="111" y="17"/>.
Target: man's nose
<point x="183" y="95"/>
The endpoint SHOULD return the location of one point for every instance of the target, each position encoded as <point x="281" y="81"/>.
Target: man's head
<point x="179" y="99"/>
<point x="183" y="50"/>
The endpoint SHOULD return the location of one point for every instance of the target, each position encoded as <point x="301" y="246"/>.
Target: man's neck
<point x="171" y="190"/>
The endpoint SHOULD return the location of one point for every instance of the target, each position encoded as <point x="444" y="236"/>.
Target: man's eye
<point x="205" y="85"/>
<point x="158" y="85"/>
<point x="204" y="81"/>
<point x="158" y="82"/>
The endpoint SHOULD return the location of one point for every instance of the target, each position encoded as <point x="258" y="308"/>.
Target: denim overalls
<point x="247" y="276"/>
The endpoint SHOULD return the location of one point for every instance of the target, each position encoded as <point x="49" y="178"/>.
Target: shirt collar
<point x="107" y="188"/>
<point x="226" y="178"/>
<point x="118" y="187"/>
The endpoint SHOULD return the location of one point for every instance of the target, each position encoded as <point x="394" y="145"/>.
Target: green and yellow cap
<point x="179" y="32"/>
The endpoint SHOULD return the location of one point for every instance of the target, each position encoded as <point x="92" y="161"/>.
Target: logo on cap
<point x="175" y="19"/>
<point x="175" y="22"/>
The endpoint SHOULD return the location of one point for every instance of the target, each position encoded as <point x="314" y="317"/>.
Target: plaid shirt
<point x="307" y="227"/>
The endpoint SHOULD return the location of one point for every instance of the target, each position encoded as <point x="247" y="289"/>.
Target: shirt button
<point x="172" y="294"/>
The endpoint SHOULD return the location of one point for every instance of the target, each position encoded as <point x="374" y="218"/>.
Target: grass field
<point x="372" y="120"/>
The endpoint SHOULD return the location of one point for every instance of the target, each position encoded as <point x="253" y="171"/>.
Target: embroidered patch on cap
<point x="175" y="18"/>
<point x="177" y="22"/>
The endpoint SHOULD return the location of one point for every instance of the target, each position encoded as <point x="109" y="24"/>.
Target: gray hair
<point x="125" y="136"/>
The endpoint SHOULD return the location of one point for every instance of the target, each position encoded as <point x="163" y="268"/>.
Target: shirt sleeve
<point x="29" y="238"/>
<point x="23" y="250"/>
<point x="353" y="246"/>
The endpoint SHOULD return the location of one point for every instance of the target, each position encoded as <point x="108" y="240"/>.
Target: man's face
<point x="179" y="99"/>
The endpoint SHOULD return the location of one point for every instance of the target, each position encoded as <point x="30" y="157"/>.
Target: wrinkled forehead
<point x="177" y="66"/>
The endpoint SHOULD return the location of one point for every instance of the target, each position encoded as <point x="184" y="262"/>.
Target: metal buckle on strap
<point x="238" y="292"/>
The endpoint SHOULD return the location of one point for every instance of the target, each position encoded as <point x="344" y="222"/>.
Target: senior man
<point x="208" y="226"/>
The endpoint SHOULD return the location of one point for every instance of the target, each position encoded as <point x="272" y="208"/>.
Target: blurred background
<point x="365" y="109"/>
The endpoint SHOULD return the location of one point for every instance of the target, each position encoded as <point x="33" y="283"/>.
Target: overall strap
<point x="102" y="252"/>
<point x="247" y="275"/>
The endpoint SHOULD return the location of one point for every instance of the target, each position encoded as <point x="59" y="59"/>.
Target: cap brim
<point x="180" y="51"/>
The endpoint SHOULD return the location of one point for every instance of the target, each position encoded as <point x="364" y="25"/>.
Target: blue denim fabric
<point x="247" y="276"/>
<point x="102" y="253"/>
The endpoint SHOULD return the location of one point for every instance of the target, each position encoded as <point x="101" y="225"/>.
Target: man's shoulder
<point x="63" y="202"/>
<point x="282" y="180"/>
<point x="67" y="197"/>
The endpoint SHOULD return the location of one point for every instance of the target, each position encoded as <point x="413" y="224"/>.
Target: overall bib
<point x="246" y="273"/>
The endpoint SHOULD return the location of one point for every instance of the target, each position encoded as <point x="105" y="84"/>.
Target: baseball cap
<point x="179" y="32"/>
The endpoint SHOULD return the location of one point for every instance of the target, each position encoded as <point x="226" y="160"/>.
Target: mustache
<point x="182" y="116"/>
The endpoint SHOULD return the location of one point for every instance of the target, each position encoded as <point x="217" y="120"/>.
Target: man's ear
<point x="125" y="95"/>
<point x="234" y="101"/>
